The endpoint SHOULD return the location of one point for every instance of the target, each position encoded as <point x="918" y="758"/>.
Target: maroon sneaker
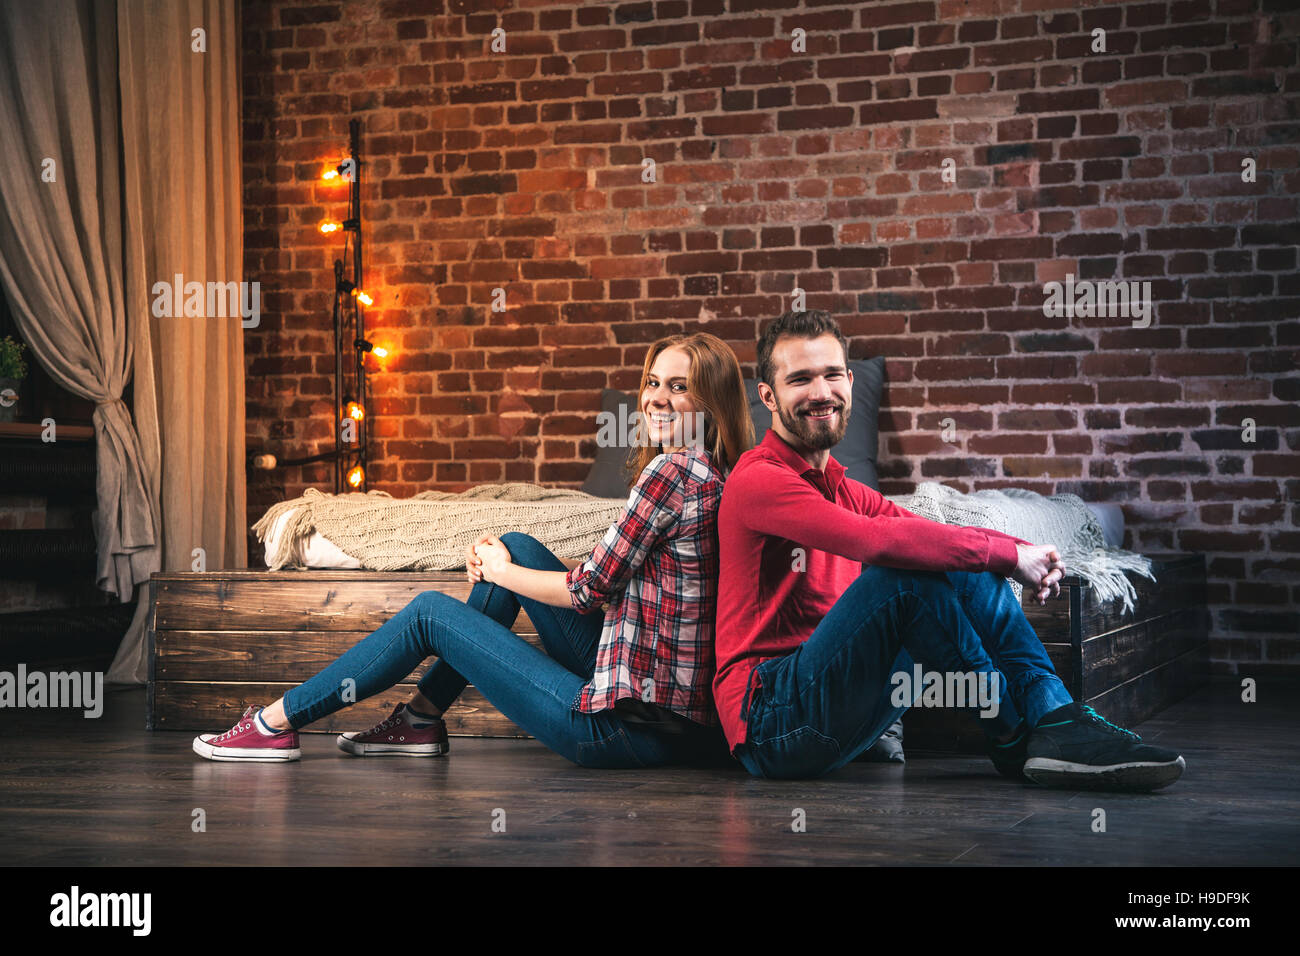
<point x="245" y="742"/>
<point x="394" y="735"/>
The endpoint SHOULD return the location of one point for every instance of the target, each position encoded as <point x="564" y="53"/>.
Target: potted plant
<point x="12" y="372"/>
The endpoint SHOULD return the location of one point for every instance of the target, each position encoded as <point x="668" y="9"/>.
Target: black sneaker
<point x="1009" y="758"/>
<point x="1075" y="747"/>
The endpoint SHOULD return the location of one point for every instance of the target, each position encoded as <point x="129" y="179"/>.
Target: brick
<point x="1136" y="94"/>
<point x="902" y="111"/>
<point x="1064" y="101"/>
<point x="890" y="14"/>
<point x="1000" y="54"/>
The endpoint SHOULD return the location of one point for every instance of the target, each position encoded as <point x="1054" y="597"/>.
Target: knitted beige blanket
<point x="430" y="531"/>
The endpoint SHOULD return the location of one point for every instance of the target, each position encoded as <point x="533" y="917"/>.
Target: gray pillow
<point x="856" y="451"/>
<point x="605" y="480"/>
<point x="858" y="448"/>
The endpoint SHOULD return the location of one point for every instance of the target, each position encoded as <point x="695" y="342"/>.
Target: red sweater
<point x="771" y="596"/>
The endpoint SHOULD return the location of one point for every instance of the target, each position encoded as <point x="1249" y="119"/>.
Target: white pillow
<point x="317" y="552"/>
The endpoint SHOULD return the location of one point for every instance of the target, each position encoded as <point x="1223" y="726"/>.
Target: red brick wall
<point x="522" y="170"/>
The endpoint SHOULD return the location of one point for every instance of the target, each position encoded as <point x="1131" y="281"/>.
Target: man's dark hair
<point x="803" y="325"/>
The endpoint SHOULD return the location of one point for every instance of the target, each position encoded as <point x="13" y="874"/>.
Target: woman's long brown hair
<point x="715" y="385"/>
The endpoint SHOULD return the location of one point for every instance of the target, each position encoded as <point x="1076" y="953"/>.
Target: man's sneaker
<point x="1075" y="747"/>
<point x="396" y="735"/>
<point x="245" y="742"/>
<point x="1009" y="758"/>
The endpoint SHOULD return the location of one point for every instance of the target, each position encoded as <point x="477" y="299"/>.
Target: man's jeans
<point x="473" y="642"/>
<point x="820" y="706"/>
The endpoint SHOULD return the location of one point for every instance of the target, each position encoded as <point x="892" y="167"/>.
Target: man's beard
<point x="816" y="436"/>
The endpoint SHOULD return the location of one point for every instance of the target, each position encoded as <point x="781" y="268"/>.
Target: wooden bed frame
<point x="221" y="640"/>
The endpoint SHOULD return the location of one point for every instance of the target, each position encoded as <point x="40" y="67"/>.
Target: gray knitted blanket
<point x="430" y="531"/>
<point x="1061" y="519"/>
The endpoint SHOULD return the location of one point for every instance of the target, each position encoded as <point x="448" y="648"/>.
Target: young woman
<point x="629" y="688"/>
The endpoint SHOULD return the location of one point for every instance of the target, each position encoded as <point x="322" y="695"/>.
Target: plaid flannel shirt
<point x="655" y="573"/>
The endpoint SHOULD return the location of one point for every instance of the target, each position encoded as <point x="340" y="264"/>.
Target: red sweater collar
<point x="829" y="480"/>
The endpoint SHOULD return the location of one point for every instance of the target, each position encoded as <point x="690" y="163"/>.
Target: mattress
<point x="319" y="552"/>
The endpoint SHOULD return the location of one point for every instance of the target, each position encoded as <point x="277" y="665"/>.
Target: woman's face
<point x="671" y="417"/>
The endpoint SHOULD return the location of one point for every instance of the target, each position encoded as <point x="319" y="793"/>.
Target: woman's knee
<point x="432" y="608"/>
<point x="527" y="552"/>
<point x="431" y="602"/>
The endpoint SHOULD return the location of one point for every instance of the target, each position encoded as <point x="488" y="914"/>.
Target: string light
<point x="356" y="476"/>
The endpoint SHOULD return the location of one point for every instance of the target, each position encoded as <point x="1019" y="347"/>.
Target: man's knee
<point x="880" y="577"/>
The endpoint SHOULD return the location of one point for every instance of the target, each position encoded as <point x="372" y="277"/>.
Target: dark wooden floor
<point x="106" y="791"/>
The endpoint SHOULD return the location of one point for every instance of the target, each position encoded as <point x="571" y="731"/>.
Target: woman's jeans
<point x="473" y="643"/>
<point x="820" y="706"/>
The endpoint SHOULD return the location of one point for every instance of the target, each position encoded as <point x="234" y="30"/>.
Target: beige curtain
<point x="149" y="189"/>
<point x="61" y="248"/>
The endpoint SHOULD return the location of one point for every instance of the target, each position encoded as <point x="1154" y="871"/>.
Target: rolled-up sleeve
<point x="652" y="512"/>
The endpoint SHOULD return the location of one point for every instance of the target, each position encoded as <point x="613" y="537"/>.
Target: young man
<point x="808" y="641"/>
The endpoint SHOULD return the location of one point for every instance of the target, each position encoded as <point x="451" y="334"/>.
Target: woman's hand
<point x="493" y="558"/>
<point x="473" y="569"/>
<point x="1039" y="568"/>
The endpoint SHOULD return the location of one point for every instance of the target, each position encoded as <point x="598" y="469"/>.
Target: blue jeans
<point x="473" y="643"/>
<point x="820" y="706"/>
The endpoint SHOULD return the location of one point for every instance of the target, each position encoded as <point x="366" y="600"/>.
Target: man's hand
<point x="1039" y="568"/>
<point x="493" y="557"/>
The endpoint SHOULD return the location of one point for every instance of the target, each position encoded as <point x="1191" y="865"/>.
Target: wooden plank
<point x="214" y="707"/>
<point x="266" y="655"/>
<point x="304" y="601"/>
<point x="1180" y="581"/>
<point x="1051" y="621"/>
<point x="1120" y="655"/>
<point x="252" y="575"/>
<point x="151" y="645"/>
<point x="34" y="430"/>
<point x="1138" y="699"/>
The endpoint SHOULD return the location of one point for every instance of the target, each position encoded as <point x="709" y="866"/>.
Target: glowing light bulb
<point x="331" y="174"/>
<point x="328" y="227"/>
<point x="363" y="297"/>
<point x="379" y="351"/>
<point x="355" y="411"/>
<point x="355" y="476"/>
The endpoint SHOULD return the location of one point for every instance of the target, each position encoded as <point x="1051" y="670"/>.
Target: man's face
<point x="813" y="391"/>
